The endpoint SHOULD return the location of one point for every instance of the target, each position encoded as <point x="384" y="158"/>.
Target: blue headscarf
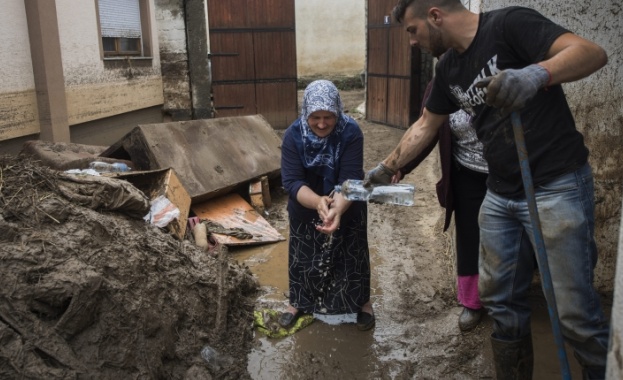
<point x="321" y="154"/>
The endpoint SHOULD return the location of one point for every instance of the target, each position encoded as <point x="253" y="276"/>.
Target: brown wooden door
<point x="393" y="91"/>
<point x="253" y="59"/>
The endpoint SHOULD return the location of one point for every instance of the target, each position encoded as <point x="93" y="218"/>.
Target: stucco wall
<point x="18" y="107"/>
<point x="330" y="37"/>
<point x="94" y="90"/>
<point x="173" y="53"/>
<point x="597" y="104"/>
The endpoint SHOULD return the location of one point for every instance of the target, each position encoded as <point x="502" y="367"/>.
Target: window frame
<point x="145" y="42"/>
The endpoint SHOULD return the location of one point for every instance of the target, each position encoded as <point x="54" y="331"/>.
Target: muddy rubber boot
<point x="593" y="373"/>
<point x="513" y="359"/>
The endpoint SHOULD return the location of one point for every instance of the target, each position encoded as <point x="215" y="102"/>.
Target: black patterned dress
<point x="329" y="274"/>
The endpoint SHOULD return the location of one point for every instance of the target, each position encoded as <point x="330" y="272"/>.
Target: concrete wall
<point x="94" y="88"/>
<point x="18" y="102"/>
<point x="173" y="53"/>
<point x="597" y="104"/>
<point x="615" y="351"/>
<point x="330" y="37"/>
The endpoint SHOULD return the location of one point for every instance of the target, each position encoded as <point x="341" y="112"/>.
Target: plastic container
<point x="395" y="193"/>
<point x="215" y="360"/>
<point x="105" y="167"/>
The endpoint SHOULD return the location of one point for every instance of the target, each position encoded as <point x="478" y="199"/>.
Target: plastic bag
<point x="162" y="212"/>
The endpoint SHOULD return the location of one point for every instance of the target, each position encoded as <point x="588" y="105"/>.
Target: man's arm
<point x="412" y="143"/>
<point x="571" y="58"/>
<point x="568" y="59"/>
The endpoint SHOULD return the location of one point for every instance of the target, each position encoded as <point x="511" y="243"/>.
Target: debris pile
<point x="91" y="290"/>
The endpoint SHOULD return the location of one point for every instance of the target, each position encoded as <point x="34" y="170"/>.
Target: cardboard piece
<point x="211" y="157"/>
<point x="232" y="211"/>
<point x="163" y="182"/>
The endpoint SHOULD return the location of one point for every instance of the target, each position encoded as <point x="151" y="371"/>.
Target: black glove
<point x="380" y="175"/>
<point x="511" y="89"/>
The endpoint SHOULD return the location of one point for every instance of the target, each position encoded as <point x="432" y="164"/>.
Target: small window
<point x="121" y="46"/>
<point x="123" y="27"/>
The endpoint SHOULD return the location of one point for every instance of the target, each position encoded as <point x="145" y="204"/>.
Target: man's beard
<point x="435" y="42"/>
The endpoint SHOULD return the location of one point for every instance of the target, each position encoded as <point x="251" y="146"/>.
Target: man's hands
<point x="380" y="175"/>
<point x="511" y="89"/>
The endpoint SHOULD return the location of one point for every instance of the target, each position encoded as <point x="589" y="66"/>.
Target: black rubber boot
<point x="513" y="359"/>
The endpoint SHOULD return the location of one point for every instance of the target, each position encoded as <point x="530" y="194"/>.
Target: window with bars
<point x="123" y="27"/>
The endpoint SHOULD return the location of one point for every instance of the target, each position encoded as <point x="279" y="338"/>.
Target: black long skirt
<point x="329" y="275"/>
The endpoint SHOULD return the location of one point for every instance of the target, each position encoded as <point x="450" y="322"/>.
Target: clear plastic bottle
<point x="215" y="360"/>
<point x="106" y="167"/>
<point x="395" y="193"/>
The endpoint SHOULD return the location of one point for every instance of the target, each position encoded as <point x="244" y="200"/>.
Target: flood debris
<point x="89" y="289"/>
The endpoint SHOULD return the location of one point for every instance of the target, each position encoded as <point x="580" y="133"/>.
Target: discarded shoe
<point x="287" y="319"/>
<point x="365" y="321"/>
<point x="469" y="318"/>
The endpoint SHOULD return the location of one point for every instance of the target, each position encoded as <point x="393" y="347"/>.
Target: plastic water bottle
<point x="215" y="360"/>
<point x="395" y="193"/>
<point x="105" y="167"/>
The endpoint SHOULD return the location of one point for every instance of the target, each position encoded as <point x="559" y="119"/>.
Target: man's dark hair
<point x="420" y="7"/>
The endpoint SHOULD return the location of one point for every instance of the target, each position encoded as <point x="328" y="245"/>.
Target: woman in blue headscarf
<point x="328" y="257"/>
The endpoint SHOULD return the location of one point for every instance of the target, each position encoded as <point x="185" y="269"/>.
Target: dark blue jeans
<point x="566" y="210"/>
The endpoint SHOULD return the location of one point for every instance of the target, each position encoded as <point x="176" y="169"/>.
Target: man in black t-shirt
<point x="503" y="61"/>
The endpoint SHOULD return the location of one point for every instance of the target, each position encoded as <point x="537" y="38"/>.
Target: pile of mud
<point x="86" y="293"/>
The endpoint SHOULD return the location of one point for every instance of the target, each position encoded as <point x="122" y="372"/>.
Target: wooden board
<point x="232" y="211"/>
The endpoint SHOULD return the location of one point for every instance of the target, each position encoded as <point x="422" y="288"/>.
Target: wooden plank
<point x="232" y="211"/>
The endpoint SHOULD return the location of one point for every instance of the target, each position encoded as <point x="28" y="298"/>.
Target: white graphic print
<point x="475" y="96"/>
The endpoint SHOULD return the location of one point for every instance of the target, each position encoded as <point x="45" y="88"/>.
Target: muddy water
<point x="335" y="350"/>
<point x="328" y="351"/>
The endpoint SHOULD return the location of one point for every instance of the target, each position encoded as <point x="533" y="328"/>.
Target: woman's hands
<point x="323" y="207"/>
<point x="329" y="207"/>
<point x="332" y="213"/>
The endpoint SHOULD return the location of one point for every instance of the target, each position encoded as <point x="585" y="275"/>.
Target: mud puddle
<point x="324" y="349"/>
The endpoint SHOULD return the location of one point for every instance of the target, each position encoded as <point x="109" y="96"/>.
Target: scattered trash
<point x="200" y="233"/>
<point x="162" y="212"/>
<point x="105" y="167"/>
<point x="215" y="360"/>
<point x="266" y="322"/>
<point x="82" y="172"/>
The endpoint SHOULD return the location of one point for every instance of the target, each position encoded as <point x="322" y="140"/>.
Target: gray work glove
<point x="380" y="175"/>
<point x="511" y="89"/>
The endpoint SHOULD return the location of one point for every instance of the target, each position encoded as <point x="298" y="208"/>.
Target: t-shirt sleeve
<point x="438" y="101"/>
<point x="530" y="34"/>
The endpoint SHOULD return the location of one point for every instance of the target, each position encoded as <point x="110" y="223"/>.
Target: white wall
<point x="18" y="107"/>
<point x="15" y="55"/>
<point x="93" y="90"/>
<point x="330" y="37"/>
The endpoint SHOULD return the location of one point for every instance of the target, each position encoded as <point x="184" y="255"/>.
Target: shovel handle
<point x="541" y="255"/>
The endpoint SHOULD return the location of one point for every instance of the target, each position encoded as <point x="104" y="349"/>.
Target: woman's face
<point x="322" y="123"/>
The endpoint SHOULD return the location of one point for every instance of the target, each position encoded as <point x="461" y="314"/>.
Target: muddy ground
<point x="90" y="291"/>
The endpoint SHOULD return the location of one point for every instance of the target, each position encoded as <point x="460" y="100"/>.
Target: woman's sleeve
<point x="292" y="170"/>
<point x="351" y="163"/>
